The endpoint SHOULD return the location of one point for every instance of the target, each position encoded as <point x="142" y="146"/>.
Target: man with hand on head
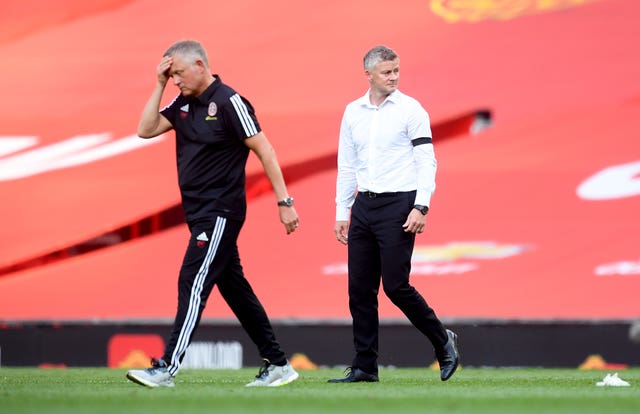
<point x="386" y="176"/>
<point x="215" y="129"/>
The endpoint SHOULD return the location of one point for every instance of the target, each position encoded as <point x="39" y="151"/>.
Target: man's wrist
<point x="423" y="209"/>
<point x="287" y="202"/>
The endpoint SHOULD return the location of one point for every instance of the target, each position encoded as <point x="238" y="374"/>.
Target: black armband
<point x="420" y="141"/>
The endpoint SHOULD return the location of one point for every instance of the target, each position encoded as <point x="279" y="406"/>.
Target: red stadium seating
<point x="534" y="217"/>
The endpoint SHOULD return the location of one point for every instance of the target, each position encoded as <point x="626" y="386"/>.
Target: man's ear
<point x="201" y="65"/>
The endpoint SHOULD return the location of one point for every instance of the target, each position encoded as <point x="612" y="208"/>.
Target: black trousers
<point x="212" y="259"/>
<point x="379" y="249"/>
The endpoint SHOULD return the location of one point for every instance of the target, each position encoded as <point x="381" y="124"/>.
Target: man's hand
<point x="289" y="218"/>
<point x="342" y="230"/>
<point x="152" y="123"/>
<point x="163" y="69"/>
<point x="416" y="222"/>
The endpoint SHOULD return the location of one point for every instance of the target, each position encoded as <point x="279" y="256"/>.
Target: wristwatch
<point x="287" y="202"/>
<point x="423" y="209"/>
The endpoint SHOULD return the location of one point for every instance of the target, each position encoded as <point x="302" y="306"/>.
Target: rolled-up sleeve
<point x="423" y="154"/>
<point x="426" y="166"/>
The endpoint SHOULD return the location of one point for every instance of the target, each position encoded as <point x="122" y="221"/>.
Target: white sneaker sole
<point x="142" y="381"/>
<point x="284" y="381"/>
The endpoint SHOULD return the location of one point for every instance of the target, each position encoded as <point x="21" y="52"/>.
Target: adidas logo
<point x="202" y="240"/>
<point x="185" y="108"/>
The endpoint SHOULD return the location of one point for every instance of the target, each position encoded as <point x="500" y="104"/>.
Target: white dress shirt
<point x="375" y="152"/>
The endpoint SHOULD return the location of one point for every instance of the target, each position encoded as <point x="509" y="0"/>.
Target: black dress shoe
<point x="356" y="375"/>
<point x="449" y="357"/>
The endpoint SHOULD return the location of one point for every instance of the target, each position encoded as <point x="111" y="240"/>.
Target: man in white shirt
<point x="386" y="177"/>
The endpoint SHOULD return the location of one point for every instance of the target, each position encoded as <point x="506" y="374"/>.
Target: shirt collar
<point x="205" y="96"/>
<point x="393" y="97"/>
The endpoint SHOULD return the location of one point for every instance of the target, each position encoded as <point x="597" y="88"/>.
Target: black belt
<point x="371" y="194"/>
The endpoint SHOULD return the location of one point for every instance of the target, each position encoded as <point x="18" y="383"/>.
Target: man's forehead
<point x="178" y="58"/>
<point x="178" y="63"/>
<point x="388" y="64"/>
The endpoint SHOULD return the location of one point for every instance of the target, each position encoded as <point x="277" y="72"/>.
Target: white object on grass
<point x="612" y="380"/>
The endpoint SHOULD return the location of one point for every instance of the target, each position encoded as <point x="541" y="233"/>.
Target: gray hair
<point x="378" y="54"/>
<point x="190" y="49"/>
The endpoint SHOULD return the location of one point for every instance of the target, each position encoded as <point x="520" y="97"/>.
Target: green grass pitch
<point x="470" y="390"/>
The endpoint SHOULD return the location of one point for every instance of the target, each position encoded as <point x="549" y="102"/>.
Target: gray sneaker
<point x="274" y="376"/>
<point x="156" y="376"/>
